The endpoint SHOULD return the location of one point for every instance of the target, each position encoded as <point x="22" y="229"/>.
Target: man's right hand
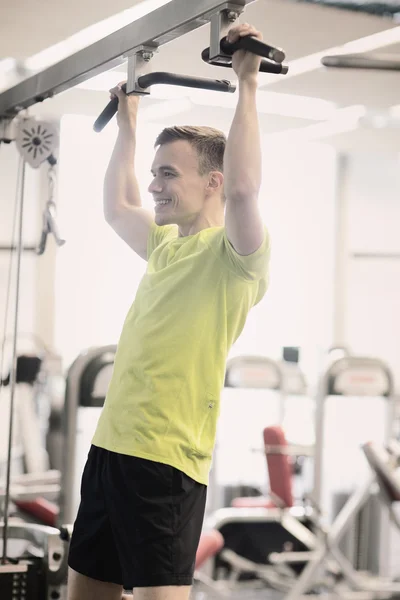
<point x="127" y="108"/>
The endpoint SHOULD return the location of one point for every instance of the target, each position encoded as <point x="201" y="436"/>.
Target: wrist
<point x="127" y="133"/>
<point x="248" y="83"/>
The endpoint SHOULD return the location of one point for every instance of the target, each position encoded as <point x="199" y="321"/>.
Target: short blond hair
<point x="209" y="143"/>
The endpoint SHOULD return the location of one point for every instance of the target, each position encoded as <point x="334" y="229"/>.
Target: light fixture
<point x="312" y="62"/>
<point x="343" y="120"/>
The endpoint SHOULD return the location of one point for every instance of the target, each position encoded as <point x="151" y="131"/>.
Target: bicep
<point x="244" y="226"/>
<point x="133" y="224"/>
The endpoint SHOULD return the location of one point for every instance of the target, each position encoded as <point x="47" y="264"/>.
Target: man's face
<point x="178" y="189"/>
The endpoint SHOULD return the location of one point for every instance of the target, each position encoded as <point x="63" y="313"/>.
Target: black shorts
<point x="139" y="522"/>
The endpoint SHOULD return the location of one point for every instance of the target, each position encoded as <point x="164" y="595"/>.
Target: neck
<point x="200" y="223"/>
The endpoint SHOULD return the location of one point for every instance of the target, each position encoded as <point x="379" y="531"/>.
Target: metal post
<point x="334" y="369"/>
<point x="321" y="395"/>
<point x="341" y="252"/>
<point x="138" y="64"/>
<point x="72" y="396"/>
<point x="220" y="23"/>
<point x="13" y="373"/>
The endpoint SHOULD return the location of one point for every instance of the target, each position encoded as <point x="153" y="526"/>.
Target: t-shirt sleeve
<point x="251" y="267"/>
<point x="158" y="235"/>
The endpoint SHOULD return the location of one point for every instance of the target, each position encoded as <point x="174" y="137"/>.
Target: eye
<point x="168" y="174"/>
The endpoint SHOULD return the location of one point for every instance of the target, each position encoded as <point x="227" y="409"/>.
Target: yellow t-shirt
<point x="163" y="400"/>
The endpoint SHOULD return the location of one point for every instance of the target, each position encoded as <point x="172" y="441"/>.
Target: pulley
<point x="36" y="141"/>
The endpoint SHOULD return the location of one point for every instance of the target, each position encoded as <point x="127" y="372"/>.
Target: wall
<point x="298" y="206"/>
<point x="97" y="274"/>
<point x="370" y="321"/>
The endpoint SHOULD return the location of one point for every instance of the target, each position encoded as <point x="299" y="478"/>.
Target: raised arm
<point x="122" y="203"/>
<point x="242" y="162"/>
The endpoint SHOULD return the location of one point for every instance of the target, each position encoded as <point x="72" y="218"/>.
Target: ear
<point x="215" y="181"/>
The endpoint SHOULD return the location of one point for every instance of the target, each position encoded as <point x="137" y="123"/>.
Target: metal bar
<point x="12" y="248"/>
<point x="159" y="27"/>
<point x="341" y="243"/>
<point x="289" y="450"/>
<point x="376" y="255"/>
<point x="13" y="375"/>
<point x="349" y="511"/>
<point x="308" y="575"/>
<point x="321" y="395"/>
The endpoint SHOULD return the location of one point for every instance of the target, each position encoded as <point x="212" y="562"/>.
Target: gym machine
<point x="272" y="390"/>
<point x="87" y="382"/>
<point x="349" y="582"/>
<point x="86" y="387"/>
<point x="355" y="406"/>
<point x="349" y="388"/>
<point x="36" y="554"/>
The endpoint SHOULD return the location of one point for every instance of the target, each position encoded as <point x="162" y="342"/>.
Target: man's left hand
<point x="245" y="64"/>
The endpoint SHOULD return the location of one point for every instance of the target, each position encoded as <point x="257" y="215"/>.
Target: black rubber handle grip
<point x="203" y="83"/>
<point x="252" y="44"/>
<point x="145" y="81"/>
<point x="266" y="66"/>
<point x="107" y="113"/>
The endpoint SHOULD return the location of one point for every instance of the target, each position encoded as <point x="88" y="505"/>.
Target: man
<point x="144" y="484"/>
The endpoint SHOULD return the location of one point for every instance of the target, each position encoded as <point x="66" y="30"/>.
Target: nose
<point x="155" y="186"/>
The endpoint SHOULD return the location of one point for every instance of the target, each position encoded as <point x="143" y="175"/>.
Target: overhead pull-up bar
<point x="145" y="81"/>
<point x="159" y="27"/>
<point x="137" y="43"/>
<point x="140" y="85"/>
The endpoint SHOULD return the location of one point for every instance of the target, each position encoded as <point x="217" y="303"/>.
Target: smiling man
<point x="145" y="481"/>
<point x="188" y="179"/>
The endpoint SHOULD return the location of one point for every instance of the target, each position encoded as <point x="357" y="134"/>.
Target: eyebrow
<point x="165" y="168"/>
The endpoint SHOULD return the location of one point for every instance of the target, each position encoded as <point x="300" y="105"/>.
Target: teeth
<point x="162" y="201"/>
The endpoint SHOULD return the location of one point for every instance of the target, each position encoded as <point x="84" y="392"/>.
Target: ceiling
<point x="302" y="29"/>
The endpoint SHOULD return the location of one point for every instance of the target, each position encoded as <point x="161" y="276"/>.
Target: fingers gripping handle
<point x="266" y="66"/>
<point x="107" y="114"/>
<point x="255" y="46"/>
<point x="273" y="57"/>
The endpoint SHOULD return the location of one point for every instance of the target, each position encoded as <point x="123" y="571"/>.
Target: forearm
<point x="120" y="184"/>
<point x="242" y="161"/>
